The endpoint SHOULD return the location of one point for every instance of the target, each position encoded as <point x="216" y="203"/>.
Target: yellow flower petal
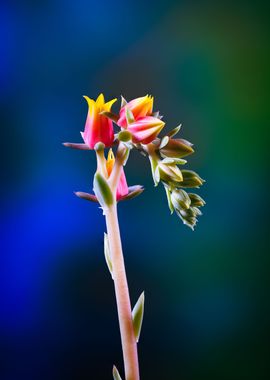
<point x="91" y="104"/>
<point x="107" y="106"/>
<point x="100" y="100"/>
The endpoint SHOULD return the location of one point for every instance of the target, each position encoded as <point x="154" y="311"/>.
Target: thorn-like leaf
<point x="174" y="131"/>
<point x="137" y="316"/>
<point x="116" y="375"/>
<point x="123" y="101"/>
<point x="107" y="254"/>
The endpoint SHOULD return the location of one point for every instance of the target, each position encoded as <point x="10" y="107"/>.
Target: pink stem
<point x="129" y="345"/>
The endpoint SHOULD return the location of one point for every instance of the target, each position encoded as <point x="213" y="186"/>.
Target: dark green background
<point x="207" y="292"/>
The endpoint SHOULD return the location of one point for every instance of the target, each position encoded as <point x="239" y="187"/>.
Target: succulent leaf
<point x="107" y="254"/>
<point x="116" y="375"/>
<point x="137" y="316"/>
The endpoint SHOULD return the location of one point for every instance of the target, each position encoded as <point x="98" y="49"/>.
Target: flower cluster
<point x="139" y="128"/>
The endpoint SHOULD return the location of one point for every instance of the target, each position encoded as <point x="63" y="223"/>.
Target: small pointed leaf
<point x="155" y="170"/>
<point x="174" y="131"/>
<point x="164" y="142"/>
<point x="102" y="190"/>
<point x="116" y="375"/>
<point x="137" y="316"/>
<point x="107" y="254"/>
<point x="123" y="101"/>
<point x="168" y="193"/>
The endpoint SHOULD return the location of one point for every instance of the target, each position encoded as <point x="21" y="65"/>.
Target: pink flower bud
<point x="98" y="128"/>
<point x="122" y="188"/>
<point x="145" y="129"/>
<point x="139" y="107"/>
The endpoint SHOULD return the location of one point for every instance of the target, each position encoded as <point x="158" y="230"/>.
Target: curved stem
<point x="129" y="345"/>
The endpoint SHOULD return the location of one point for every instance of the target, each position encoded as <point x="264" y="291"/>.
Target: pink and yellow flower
<point x="98" y="128"/>
<point x="144" y="127"/>
<point x="139" y="107"/>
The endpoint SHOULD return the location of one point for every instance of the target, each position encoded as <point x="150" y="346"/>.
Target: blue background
<point x="207" y="292"/>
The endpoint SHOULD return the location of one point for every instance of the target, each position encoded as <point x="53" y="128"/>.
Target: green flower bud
<point x="169" y="172"/>
<point x="176" y="148"/>
<point x="196" y="200"/>
<point x="191" y="179"/>
<point x="188" y="217"/>
<point x="180" y="199"/>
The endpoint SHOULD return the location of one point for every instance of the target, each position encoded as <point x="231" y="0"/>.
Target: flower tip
<point x="89" y="101"/>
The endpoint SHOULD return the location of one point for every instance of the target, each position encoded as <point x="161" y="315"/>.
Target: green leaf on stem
<point x="107" y="254"/>
<point x="137" y="316"/>
<point x="102" y="190"/>
<point x="116" y="375"/>
<point x="169" y="198"/>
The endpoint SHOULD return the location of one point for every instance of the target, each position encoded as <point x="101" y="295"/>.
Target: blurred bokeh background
<point x="207" y="292"/>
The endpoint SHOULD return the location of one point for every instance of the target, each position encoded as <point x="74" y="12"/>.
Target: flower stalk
<point x="128" y="340"/>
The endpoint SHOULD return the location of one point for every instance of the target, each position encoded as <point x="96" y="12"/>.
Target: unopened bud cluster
<point x="139" y="128"/>
<point x="166" y="155"/>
